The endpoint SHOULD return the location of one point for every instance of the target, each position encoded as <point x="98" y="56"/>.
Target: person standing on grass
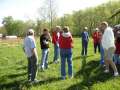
<point x="55" y="41"/>
<point x="30" y="50"/>
<point x="45" y="38"/>
<point x="96" y="40"/>
<point x="117" y="44"/>
<point x="117" y="51"/>
<point x="85" y="40"/>
<point x="101" y="49"/>
<point x="66" y="45"/>
<point x="109" y="47"/>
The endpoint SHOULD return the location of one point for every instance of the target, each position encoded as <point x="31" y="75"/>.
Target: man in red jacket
<point x="55" y="41"/>
<point x="66" y="44"/>
<point x="96" y="40"/>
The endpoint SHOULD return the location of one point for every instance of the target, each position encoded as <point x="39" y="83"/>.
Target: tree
<point x="48" y="12"/>
<point x="8" y="22"/>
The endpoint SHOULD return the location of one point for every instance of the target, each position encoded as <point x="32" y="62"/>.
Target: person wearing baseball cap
<point x="96" y="40"/>
<point x="108" y="43"/>
<point x="29" y="47"/>
<point x="85" y="40"/>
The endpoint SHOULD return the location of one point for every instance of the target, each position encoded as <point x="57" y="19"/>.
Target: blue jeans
<point x="117" y="58"/>
<point x="44" y="59"/>
<point x="56" y="52"/>
<point x="102" y="55"/>
<point x="66" y="54"/>
<point x="84" y="47"/>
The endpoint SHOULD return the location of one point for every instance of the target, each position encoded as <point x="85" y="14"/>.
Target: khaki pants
<point x="109" y="53"/>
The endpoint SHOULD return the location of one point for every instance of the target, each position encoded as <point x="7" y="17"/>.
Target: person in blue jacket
<point x="85" y="40"/>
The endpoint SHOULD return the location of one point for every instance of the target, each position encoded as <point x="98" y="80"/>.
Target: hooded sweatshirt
<point x="66" y="40"/>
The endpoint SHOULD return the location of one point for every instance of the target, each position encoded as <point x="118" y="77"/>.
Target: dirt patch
<point x="11" y="42"/>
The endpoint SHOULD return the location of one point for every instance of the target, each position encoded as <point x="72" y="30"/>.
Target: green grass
<point x="88" y="74"/>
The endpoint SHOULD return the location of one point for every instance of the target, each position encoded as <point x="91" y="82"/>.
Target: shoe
<point x="63" y="78"/>
<point x="41" y="68"/>
<point x="106" y="71"/>
<point x="71" y="77"/>
<point x="56" y="61"/>
<point x="116" y="74"/>
<point x="47" y="67"/>
<point x="35" y="81"/>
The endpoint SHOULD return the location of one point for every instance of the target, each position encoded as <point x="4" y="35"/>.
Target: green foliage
<point x="90" y="17"/>
<point x="17" y="27"/>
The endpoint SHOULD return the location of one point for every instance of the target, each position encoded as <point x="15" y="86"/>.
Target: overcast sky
<point x="28" y="9"/>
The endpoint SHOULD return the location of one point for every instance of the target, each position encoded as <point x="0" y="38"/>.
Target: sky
<point x="28" y="9"/>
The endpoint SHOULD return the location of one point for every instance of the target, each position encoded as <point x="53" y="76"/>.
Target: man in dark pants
<point x="96" y="40"/>
<point x="31" y="53"/>
<point x="85" y="40"/>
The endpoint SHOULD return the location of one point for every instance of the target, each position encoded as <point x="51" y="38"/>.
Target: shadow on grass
<point x="28" y="85"/>
<point x="21" y="68"/>
<point x="16" y="75"/>
<point x="14" y="83"/>
<point x="19" y="84"/>
<point x="79" y="57"/>
<point x="92" y="73"/>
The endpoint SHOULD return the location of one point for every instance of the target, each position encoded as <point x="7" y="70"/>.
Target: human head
<point x="30" y="32"/>
<point x="96" y="29"/>
<point x="45" y="31"/>
<point x="85" y="28"/>
<point x="66" y="29"/>
<point x="57" y="28"/>
<point x="103" y="26"/>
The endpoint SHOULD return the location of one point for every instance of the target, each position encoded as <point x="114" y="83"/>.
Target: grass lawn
<point x="88" y="74"/>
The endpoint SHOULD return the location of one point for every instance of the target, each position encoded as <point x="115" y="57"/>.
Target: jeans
<point x="56" y="52"/>
<point x="96" y="45"/>
<point x="66" y="54"/>
<point x="117" y="58"/>
<point x="84" y="47"/>
<point x="44" y="59"/>
<point x="32" y="68"/>
<point x="102" y="55"/>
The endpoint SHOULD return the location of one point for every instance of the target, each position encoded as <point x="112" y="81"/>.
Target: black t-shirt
<point x="44" y="41"/>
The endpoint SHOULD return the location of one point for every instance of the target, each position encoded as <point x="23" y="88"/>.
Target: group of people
<point x="63" y="44"/>
<point x="107" y="40"/>
<point x="103" y="38"/>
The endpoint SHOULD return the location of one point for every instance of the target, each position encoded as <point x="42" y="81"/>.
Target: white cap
<point x="97" y="29"/>
<point x="85" y="28"/>
<point x="30" y="31"/>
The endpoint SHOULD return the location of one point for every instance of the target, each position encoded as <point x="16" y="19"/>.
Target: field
<point x="88" y="74"/>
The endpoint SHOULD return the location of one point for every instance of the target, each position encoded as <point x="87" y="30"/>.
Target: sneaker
<point x="47" y="67"/>
<point x="63" y="78"/>
<point x="35" y="81"/>
<point x="71" y="77"/>
<point x="56" y="61"/>
<point x="41" y="68"/>
<point x="106" y="71"/>
<point x="116" y="74"/>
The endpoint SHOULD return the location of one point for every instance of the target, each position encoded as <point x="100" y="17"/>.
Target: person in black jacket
<point x="45" y="38"/>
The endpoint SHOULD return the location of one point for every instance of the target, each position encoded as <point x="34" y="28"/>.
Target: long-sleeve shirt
<point x="96" y="37"/>
<point x="85" y="36"/>
<point x="44" y="41"/>
<point x="108" y="39"/>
